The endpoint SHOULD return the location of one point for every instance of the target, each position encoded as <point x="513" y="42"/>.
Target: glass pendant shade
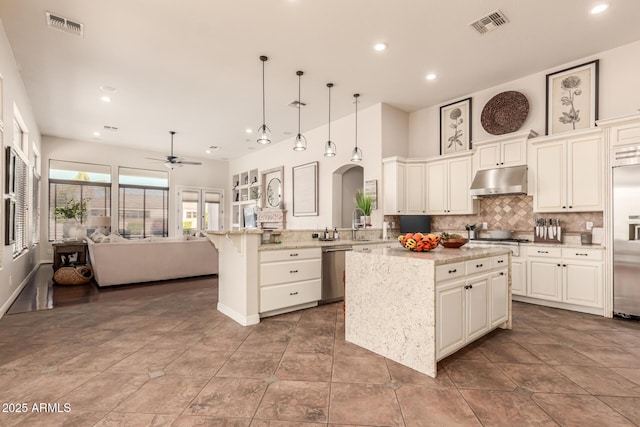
<point x="264" y="135"/>
<point x="356" y="155"/>
<point x="301" y="143"/>
<point x="329" y="146"/>
<point x="329" y="149"/>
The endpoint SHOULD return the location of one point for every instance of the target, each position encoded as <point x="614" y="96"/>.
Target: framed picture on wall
<point x="455" y="127"/>
<point x="305" y="189"/>
<point x="572" y="98"/>
<point x="371" y="189"/>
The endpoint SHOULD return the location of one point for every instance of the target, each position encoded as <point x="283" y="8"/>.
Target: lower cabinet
<point x="518" y="276"/>
<point x="289" y="278"/>
<point x="469" y="304"/>
<point x="569" y="278"/>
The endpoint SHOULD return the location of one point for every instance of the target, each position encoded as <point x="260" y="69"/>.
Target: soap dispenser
<point x="336" y="236"/>
<point x="326" y="233"/>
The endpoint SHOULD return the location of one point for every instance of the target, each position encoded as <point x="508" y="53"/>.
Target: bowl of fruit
<point x="419" y="242"/>
<point x="452" y="241"/>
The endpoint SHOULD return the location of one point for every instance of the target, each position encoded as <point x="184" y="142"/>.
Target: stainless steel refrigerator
<point x="626" y="232"/>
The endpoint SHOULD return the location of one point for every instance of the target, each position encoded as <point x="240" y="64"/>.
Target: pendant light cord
<point x="263" y="115"/>
<point x="356" y="97"/>
<point x="330" y="85"/>
<point x="299" y="77"/>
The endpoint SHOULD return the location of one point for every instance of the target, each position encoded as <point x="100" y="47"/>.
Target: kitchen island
<point x="418" y="307"/>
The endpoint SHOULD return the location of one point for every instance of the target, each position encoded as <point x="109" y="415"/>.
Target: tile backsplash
<point x="514" y="212"/>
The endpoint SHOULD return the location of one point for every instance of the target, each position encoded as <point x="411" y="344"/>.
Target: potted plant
<point x="69" y="214"/>
<point x="363" y="202"/>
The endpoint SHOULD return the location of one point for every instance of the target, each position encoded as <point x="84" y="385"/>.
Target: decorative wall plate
<point x="505" y="113"/>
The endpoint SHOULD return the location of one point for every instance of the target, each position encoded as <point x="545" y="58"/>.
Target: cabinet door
<point x="583" y="284"/>
<point x="549" y="171"/>
<point x="518" y="278"/>
<point x="459" y="177"/>
<point x="437" y="188"/>
<point x="514" y="153"/>
<point x="544" y="280"/>
<point x="488" y="156"/>
<point x="450" y="333"/>
<point x="415" y="197"/>
<point x="393" y="187"/>
<point x="499" y="297"/>
<point x="585" y="167"/>
<point x="477" y="310"/>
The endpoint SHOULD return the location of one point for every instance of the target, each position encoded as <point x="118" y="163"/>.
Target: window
<point x="16" y="203"/>
<point x="35" y="195"/>
<point x="143" y="203"/>
<point x="201" y="209"/>
<point x="85" y="185"/>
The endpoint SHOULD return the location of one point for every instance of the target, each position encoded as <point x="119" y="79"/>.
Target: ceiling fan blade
<point x="157" y="160"/>
<point x="190" y="163"/>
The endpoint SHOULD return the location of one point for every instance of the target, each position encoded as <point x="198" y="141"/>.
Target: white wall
<point x="395" y="132"/>
<point x="619" y="87"/>
<point x="343" y="134"/>
<point x="13" y="272"/>
<point x="211" y="174"/>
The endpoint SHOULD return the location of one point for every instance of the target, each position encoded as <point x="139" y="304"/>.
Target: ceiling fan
<point x="172" y="161"/>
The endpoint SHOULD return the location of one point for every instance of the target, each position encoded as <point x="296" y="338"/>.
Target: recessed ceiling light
<point x="108" y="89"/>
<point x="248" y="130"/>
<point x="379" y="46"/>
<point x="600" y="8"/>
<point x="105" y="98"/>
<point x="96" y="133"/>
<point x="211" y="149"/>
<point x="431" y="76"/>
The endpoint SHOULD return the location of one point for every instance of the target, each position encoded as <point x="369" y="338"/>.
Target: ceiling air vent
<point x="489" y="22"/>
<point x="295" y="103"/>
<point x="63" y="24"/>
<point x="111" y="128"/>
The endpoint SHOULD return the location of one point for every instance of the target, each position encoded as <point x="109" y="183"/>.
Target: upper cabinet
<point x="447" y="186"/>
<point x="502" y="151"/>
<point x="567" y="172"/>
<point x="403" y="186"/>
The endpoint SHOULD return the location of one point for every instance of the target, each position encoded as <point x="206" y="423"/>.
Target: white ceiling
<point x="192" y="65"/>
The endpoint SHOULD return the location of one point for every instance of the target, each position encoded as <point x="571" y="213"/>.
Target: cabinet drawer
<point x="478" y="265"/>
<point x="289" y="254"/>
<point x="449" y="271"/>
<point x="584" y="254"/>
<point x="289" y="295"/>
<point x="544" y="251"/>
<point x="500" y="261"/>
<point x="285" y="272"/>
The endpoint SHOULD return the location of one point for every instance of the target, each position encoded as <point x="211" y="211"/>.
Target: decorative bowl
<point x="418" y="242"/>
<point x="453" y="243"/>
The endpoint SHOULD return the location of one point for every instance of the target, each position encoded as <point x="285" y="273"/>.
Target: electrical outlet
<point x="484" y="225"/>
<point x="589" y="225"/>
<point x="314" y="236"/>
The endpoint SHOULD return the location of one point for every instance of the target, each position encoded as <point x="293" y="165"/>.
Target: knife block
<point x="546" y="230"/>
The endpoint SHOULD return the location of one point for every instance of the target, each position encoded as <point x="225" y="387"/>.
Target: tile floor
<point x="162" y="355"/>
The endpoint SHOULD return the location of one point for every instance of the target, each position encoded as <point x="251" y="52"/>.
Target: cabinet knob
<point x="564" y="207"/>
<point x="478" y="265"/>
<point x="453" y="271"/>
<point x="582" y="254"/>
<point x="502" y="273"/>
<point x="564" y="265"/>
<point x="293" y="293"/>
<point x="502" y="163"/>
<point x="558" y="265"/>
<point x="570" y="207"/>
<point x="497" y="164"/>
<point x="543" y="252"/>
<point x="294" y="254"/>
<point x="293" y="271"/>
<point x="500" y="261"/>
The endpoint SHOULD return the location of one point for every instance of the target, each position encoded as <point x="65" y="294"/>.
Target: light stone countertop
<point x="300" y="244"/>
<point x="235" y="232"/>
<point x="441" y="255"/>
<point x="564" y="245"/>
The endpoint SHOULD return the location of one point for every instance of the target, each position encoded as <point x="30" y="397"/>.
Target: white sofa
<point x="135" y="261"/>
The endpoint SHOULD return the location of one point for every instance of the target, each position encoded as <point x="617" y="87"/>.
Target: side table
<point x="63" y="253"/>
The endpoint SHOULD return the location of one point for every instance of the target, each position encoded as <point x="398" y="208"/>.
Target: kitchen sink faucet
<point x="355" y="223"/>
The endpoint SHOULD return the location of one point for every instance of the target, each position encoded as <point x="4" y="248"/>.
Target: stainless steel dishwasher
<point x="333" y="273"/>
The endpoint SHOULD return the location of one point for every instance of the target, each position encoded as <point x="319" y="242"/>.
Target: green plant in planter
<point x="71" y="210"/>
<point x="255" y="195"/>
<point x="363" y="201"/>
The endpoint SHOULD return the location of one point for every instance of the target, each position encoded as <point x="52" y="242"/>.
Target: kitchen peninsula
<point x="417" y="308"/>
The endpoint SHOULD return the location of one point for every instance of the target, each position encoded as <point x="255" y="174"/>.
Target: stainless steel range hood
<point x="492" y="182"/>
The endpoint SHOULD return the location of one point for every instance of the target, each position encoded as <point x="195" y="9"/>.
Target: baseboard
<point x="241" y="319"/>
<point x="562" y="305"/>
<point x="5" y="307"/>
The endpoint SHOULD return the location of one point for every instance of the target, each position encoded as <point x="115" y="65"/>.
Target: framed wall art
<point x="572" y="98"/>
<point x="455" y="127"/>
<point x="305" y="189"/>
<point x="371" y="189"/>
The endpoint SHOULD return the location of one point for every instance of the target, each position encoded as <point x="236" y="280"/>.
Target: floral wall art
<point x="455" y="127"/>
<point x="572" y="98"/>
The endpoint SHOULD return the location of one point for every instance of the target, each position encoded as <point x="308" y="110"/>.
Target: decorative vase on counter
<point x="69" y="228"/>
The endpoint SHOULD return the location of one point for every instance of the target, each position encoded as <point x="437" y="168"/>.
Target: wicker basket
<point x="73" y="275"/>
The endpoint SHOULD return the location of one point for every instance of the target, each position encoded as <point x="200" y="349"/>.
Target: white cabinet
<point x="568" y="173"/>
<point x="472" y="298"/>
<point x="289" y="278"/>
<point x="502" y="151"/>
<point x="572" y="276"/>
<point x="518" y="276"/>
<point x="403" y="186"/>
<point x="245" y="188"/>
<point x="448" y="183"/>
<point x="393" y="185"/>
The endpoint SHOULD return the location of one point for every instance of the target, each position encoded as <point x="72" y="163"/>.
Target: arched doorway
<point x="347" y="181"/>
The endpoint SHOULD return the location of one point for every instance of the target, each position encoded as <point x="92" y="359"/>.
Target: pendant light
<point x="329" y="147"/>
<point x="356" y="154"/>
<point x="301" y="141"/>
<point x="264" y="134"/>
